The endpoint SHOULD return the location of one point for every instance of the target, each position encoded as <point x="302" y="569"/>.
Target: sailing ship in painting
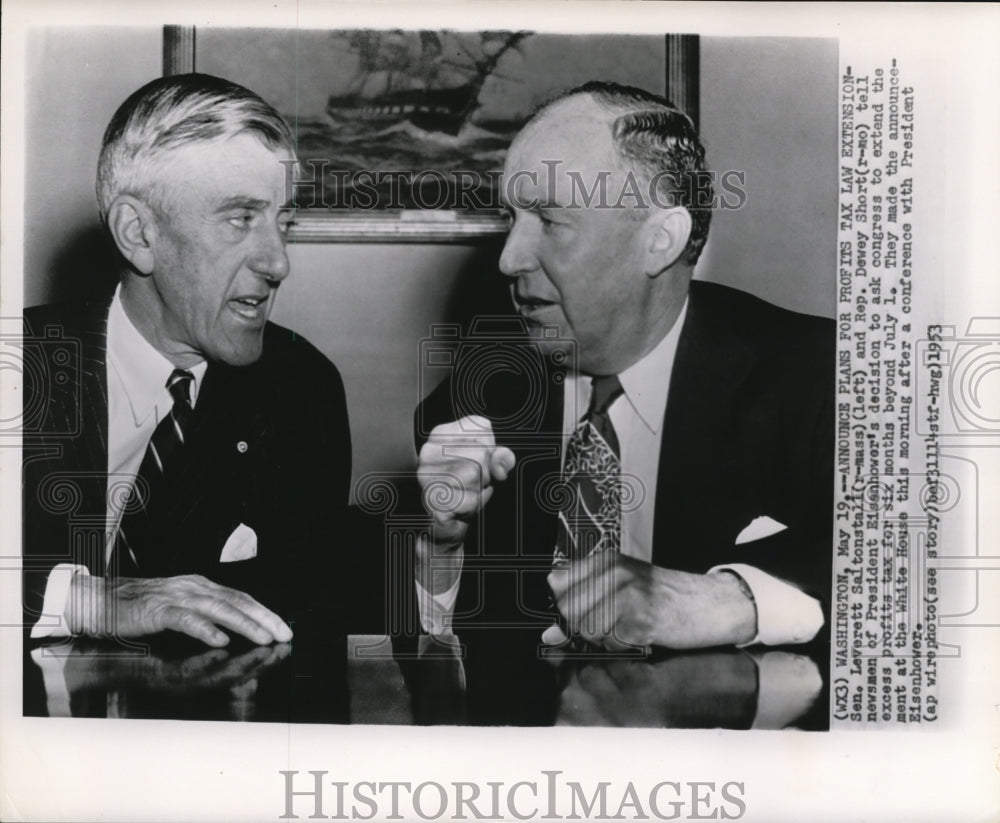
<point x="431" y="79"/>
<point x="412" y="103"/>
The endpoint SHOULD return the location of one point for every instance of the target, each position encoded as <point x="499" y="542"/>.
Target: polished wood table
<point x="479" y="678"/>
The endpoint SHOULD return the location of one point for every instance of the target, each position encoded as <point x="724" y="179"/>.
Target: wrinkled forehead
<point x="568" y="145"/>
<point x="242" y="162"/>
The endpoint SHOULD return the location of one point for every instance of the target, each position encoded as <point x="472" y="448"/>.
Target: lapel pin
<point x="242" y="446"/>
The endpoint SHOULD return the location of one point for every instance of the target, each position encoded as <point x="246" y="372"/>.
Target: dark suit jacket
<point x="748" y="432"/>
<point x="289" y="482"/>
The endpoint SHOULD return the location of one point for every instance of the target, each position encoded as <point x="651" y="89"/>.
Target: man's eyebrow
<point x="533" y="206"/>
<point x="242" y="202"/>
<point x="549" y="205"/>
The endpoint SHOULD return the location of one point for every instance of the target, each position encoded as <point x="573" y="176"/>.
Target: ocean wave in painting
<point x="346" y="147"/>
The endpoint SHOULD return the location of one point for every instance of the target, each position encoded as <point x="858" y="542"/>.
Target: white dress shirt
<point x="138" y="400"/>
<point x="785" y="614"/>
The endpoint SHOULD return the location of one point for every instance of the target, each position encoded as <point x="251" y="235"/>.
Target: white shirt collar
<point x="140" y="366"/>
<point x="647" y="381"/>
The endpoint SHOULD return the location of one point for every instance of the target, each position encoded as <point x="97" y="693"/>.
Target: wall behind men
<point x="767" y="107"/>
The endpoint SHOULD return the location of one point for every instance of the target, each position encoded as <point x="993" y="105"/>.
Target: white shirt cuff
<point x="788" y="685"/>
<point x="54" y="677"/>
<point x="56" y="602"/>
<point x="437" y="610"/>
<point x="785" y="613"/>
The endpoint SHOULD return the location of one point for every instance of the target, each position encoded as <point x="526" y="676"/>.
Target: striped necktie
<point x="590" y="519"/>
<point x="167" y="439"/>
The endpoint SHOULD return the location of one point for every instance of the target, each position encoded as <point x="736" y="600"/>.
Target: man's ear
<point x="671" y="229"/>
<point x="133" y="226"/>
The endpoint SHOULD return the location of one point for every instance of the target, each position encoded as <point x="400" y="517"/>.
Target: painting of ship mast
<point x="411" y="104"/>
<point x="413" y="76"/>
<point x="438" y="108"/>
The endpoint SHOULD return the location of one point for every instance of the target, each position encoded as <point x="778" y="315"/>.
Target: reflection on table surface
<point x="481" y="678"/>
<point x="170" y="676"/>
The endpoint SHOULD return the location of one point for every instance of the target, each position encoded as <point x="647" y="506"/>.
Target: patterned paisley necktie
<point x="590" y="519"/>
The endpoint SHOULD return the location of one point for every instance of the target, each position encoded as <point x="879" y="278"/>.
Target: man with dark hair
<point x="676" y="488"/>
<point x="193" y="463"/>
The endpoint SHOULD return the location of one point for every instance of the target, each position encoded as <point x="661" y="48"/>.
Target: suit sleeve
<point x="63" y="449"/>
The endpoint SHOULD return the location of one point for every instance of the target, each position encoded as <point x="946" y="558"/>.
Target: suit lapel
<point x="208" y="467"/>
<point x="216" y="485"/>
<point x="697" y="453"/>
<point x="541" y="469"/>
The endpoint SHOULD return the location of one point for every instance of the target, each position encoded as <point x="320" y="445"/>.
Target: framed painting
<point x="402" y="134"/>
